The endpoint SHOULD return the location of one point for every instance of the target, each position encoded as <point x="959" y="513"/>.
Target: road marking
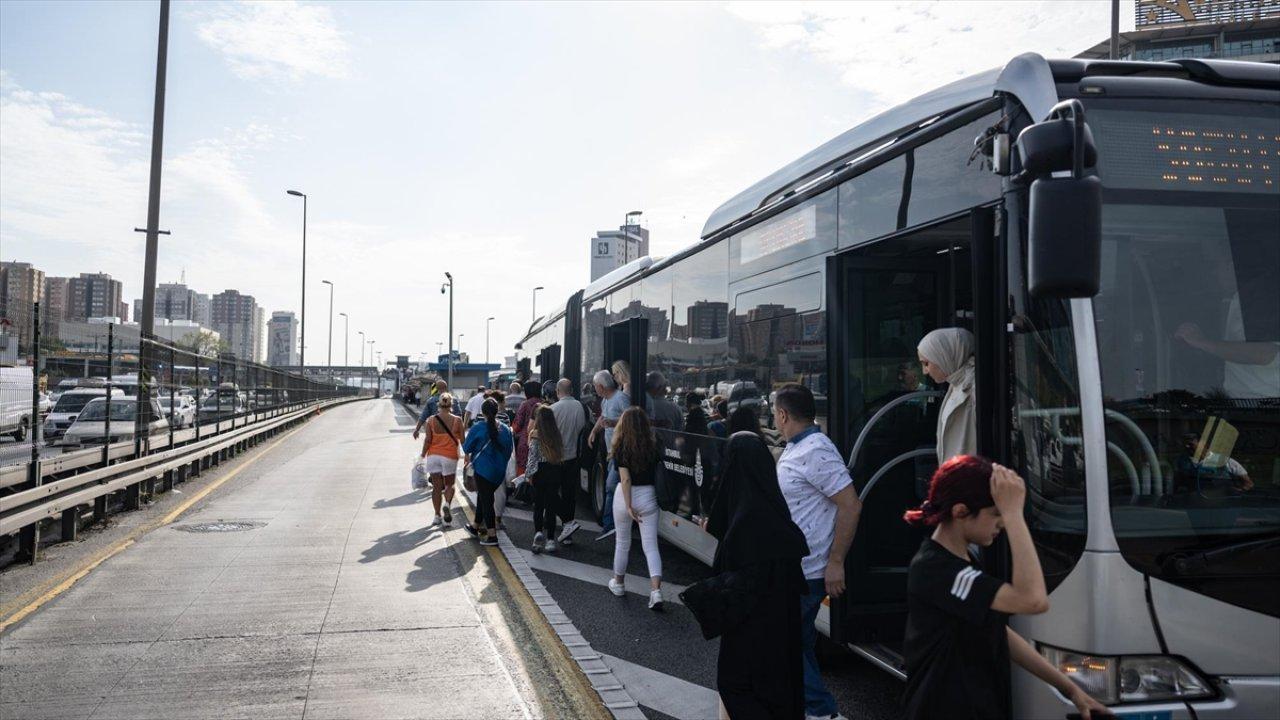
<point x="75" y="576"/>
<point x="598" y="576"/>
<point x="665" y="693"/>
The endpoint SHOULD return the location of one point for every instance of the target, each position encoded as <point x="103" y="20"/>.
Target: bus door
<point x="887" y="296"/>
<point x="549" y="363"/>
<point x="627" y="341"/>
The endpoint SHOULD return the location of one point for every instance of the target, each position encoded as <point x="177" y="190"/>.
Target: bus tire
<point x="20" y="434"/>
<point x="595" y="480"/>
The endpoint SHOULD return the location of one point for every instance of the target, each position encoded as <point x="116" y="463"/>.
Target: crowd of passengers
<point x="784" y="527"/>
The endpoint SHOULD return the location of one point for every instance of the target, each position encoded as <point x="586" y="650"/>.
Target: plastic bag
<point x="418" y="475"/>
<point x="511" y="467"/>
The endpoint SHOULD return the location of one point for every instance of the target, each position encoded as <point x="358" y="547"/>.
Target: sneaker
<point x="437" y="522"/>
<point x="489" y="540"/>
<point x="551" y="546"/>
<point x="448" y="515"/>
<point x="567" y="531"/>
<point x="837" y="716"/>
<point x="471" y="529"/>
<point x="606" y="534"/>
<point x="539" y="543"/>
<point x="655" y="600"/>
<point x="566" y="542"/>
<point x="617" y="588"/>
<point x="501" y="525"/>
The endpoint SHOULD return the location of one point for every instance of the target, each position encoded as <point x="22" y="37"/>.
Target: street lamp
<point x="535" y="303"/>
<point x="363" y="342"/>
<point x="346" y="339"/>
<point x="438" y="346"/>
<point x="302" y="351"/>
<point x="448" y="285"/>
<point x="329" y="361"/>
<point x="626" y="245"/>
<point x="486" y="340"/>
<point x="460" y="336"/>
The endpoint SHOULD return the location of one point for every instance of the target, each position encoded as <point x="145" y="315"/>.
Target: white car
<point x="90" y="426"/>
<point x="69" y="405"/>
<point x="182" y="413"/>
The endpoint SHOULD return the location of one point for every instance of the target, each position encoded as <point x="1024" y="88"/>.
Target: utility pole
<point x="142" y="417"/>
<point x="486" y="340"/>
<point x="449" y="285"/>
<point x="1115" y="30"/>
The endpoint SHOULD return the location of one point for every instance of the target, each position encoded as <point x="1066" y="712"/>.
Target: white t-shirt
<point x="1247" y="381"/>
<point x="473" y="405"/>
<point x="810" y="471"/>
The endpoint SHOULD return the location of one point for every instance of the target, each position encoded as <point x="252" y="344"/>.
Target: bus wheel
<point x="596" y="480"/>
<point x="21" y="433"/>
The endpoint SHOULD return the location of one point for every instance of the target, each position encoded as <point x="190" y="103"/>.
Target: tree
<point x="203" y="342"/>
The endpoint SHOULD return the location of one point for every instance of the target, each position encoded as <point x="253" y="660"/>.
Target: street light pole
<point x="486" y="340"/>
<point x="535" y="303"/>
<point x="362" y="344"/>
<point x="329" y="361"/>
<point x="302" y="345"/>
<point x="449" y="285"/>
<point x="346" y="339"/>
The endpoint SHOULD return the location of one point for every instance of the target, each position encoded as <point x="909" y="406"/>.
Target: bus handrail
<point x="1147" y="450"/>
<point x="908" y="455"/>
<point x="862" y="436"/>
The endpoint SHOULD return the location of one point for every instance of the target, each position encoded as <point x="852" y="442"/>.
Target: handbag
<point x="722" y="602"/>
<point x="469" y="479"/>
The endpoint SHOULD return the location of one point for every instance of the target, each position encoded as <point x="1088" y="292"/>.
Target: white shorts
<point x="441" y="465"/>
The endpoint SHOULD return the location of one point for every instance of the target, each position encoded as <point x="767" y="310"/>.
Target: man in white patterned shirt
<point x="825" y="506"/>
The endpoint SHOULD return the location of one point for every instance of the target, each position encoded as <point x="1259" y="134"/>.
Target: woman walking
<point x="635" y="453"/>
<point x="440" y="448"/>
<point x="760" y="670"/>
<point x="958" y="643"/>
<point x="545" y="466"/>
<point x="488" y="446"/>
<point x="946" y="356"/>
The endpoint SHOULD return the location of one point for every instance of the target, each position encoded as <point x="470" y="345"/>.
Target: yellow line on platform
<point x="66" y="581"/>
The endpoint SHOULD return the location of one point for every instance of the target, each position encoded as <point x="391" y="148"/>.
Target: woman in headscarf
<point x="760" y="672"/>
<point x="946" y="356"/>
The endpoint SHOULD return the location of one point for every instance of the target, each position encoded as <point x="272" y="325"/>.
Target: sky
<point x="488" y="140"/>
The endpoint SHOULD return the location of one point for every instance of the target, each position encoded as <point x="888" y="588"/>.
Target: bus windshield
<point x="1188" y="325"/>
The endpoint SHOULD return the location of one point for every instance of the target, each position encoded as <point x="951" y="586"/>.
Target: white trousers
<point x="645" y="502"/>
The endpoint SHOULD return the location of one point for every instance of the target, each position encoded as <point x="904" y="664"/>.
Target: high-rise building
<point x="611" y="249"/>
<point x="203" y="313"/>
<point x="708" y="319"/>
<point x="239" y="320"/>
<point x="174" y="301"/>
<point x="94" y="295"/>
<point x="21" y="287"/>
<point x="282" y="338"/>
<point x="53" y="310"/>
<point x="1227" y="29"/>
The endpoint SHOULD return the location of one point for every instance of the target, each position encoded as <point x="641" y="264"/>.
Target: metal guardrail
<point x="66" y="496"/>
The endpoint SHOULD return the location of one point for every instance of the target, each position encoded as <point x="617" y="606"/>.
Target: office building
<point x="203" y="313"/>
<point x="53" y="309"/>
<point x="611" y="249"/>
<point x="21" y="287"/>
<point x="174" y="301"/>
<point x="240" y="322"/>
<point x="282" y="339"/>
<point x="93" y="295"/>
<point x="1227" y="29"/>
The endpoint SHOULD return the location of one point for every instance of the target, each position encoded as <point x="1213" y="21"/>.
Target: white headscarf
<point x="951" y="349"/>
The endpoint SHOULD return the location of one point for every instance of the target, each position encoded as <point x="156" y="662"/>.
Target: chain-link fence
<point x="67" y="385"/>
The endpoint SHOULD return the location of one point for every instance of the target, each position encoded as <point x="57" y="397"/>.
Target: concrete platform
<point x="338" y="603"/>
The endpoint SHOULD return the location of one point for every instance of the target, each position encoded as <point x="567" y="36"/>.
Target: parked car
<point x="69" y="406"/>
<point x="90" y="426"/>
<point x="15" y="402"/>
<point x="63" y="385"/>
<point x="181" y="411"/>
<point x="222" y="405"/>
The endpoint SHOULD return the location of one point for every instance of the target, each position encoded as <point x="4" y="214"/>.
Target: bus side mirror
<point x="1064" y="243"/>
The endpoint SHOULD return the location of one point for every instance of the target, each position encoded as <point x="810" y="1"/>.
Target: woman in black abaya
<point x="759" y="672"/>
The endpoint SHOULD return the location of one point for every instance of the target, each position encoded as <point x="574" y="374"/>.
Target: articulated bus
<point x="1110" y="233"/>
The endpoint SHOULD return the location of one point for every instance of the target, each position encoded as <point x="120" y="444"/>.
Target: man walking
<point x="430" y="407"/>
<point x="571" y="419"/>
<point x="825" y="506"/>
<point x="613" y="403"/>
<point x="515" y="398"/>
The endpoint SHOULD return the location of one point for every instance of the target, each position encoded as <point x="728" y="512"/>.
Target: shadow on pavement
<point x="413" y="497"/>
<point x="397" y="543"/>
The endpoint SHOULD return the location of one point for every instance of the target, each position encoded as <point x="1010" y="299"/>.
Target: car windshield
<point x="1189" y="340"/>
<point x="73" y="402"/>
<point x="96" y="411"/>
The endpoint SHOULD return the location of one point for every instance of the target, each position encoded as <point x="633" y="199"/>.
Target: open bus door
<point x="627" y="341"/>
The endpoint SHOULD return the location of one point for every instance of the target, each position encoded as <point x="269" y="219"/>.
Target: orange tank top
<point x="441" y="443"/>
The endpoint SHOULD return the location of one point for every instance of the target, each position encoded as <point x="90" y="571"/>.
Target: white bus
<point x="1110" y="232"/>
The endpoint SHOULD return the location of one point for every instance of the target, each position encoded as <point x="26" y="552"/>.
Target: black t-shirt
<point x="956" y="646"/>
<point x="638" y="478"/>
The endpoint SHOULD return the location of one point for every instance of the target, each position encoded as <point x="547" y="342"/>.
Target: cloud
<point x="278" y="40"/>
<point x="895" y="51"/>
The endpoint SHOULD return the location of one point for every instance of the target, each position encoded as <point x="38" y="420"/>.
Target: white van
<point x="71" y="403"/>
<point x="15" y="402"/>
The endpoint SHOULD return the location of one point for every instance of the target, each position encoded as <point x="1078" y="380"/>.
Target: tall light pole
<point x="363" y="342"/>
<point x="346" y="339"/>
<point x="438" y="346"/>
<point x="535" y="303"/>
<point x="302" y="350"/>
<point x="626" y="244"/>
<point x="329" y="361"/>
<point x="448" y="285"/>
<point x="486" y="340"/>
<point x="460" y="336"/>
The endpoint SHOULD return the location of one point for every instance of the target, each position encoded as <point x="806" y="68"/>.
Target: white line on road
<point x="667" y="694"/>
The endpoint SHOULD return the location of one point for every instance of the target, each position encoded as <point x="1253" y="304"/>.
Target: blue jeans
<point x="610" y="485"/>
<point x="817" y="700"/>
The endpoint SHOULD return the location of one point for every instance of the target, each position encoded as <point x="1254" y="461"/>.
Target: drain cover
<point x="220" y="526"/>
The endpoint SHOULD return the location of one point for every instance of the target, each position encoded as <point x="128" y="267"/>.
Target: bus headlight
<point x="1130" y="678"/>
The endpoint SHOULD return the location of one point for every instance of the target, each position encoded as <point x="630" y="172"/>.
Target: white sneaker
<point x="606" y="534"/>
<point x="617" y="588"/>
<point x="438" y="522"/>
<point x="551" y="546"/>
<point x="539" y="543"/>
<point x="567" y="531"/>
<point x="655" y="600"/>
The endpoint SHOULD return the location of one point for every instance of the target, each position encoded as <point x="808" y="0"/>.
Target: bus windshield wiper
<point x="1195" y="562"/>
